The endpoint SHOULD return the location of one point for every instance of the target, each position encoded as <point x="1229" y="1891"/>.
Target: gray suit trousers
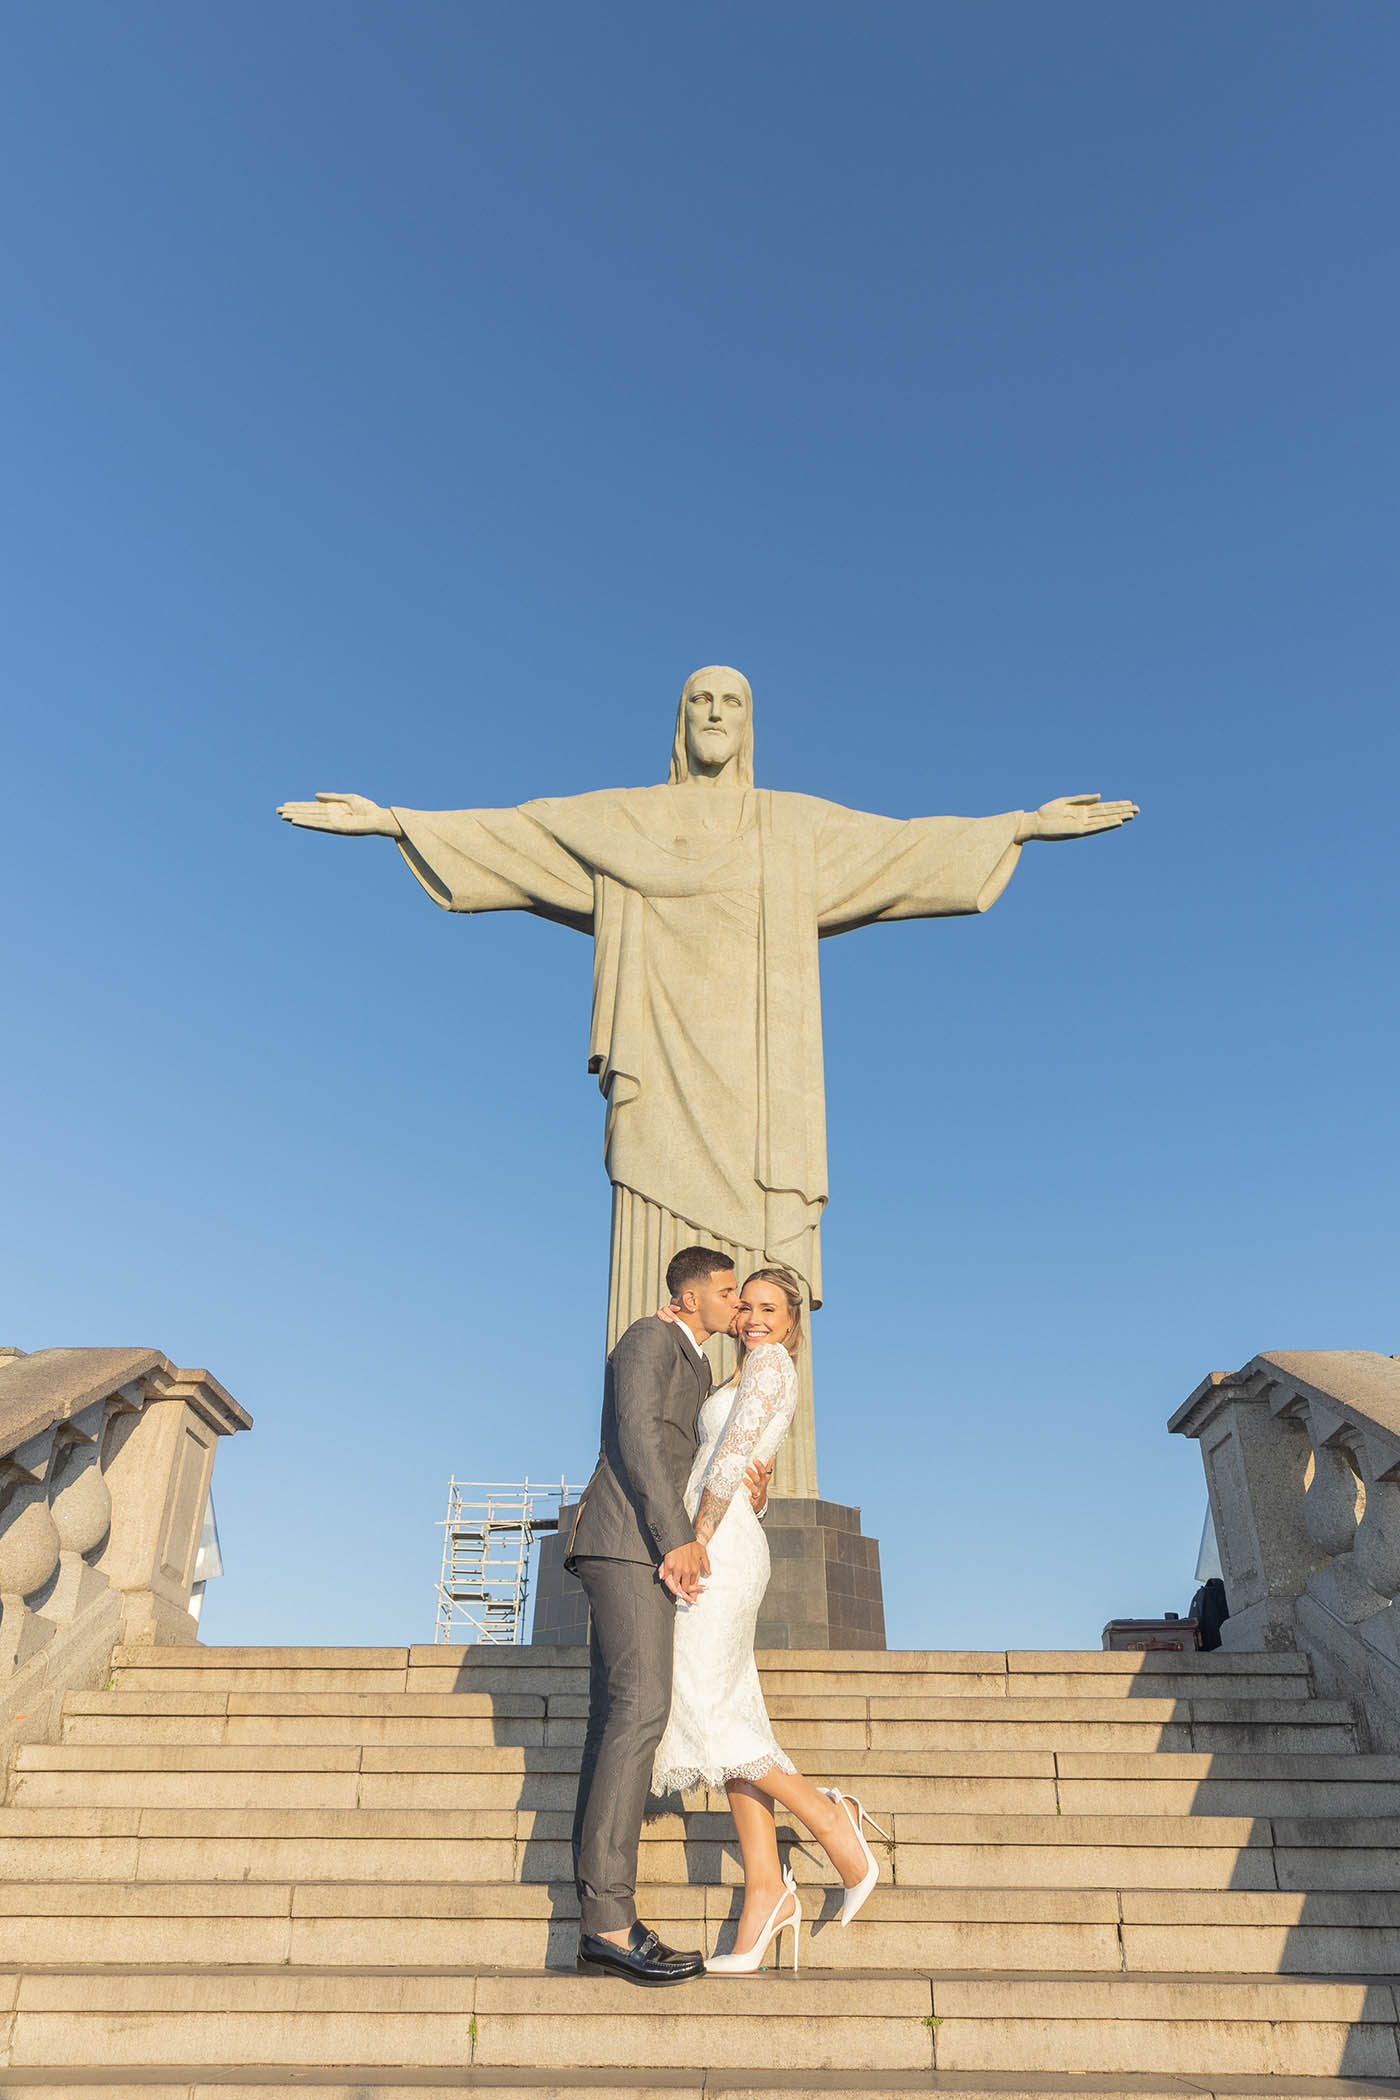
<point x="629" y="1696"/>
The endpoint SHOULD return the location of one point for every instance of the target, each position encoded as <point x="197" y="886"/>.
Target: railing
<point x="1302" y="1459"/>
<point x="106" y="1457"/>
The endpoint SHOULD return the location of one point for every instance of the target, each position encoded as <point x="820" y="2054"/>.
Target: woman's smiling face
<point x="763" y="1314"/>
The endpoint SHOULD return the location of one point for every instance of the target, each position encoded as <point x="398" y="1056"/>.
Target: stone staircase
<point x="347" y="1871"/>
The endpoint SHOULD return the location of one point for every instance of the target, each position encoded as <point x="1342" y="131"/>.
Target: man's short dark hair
<point x="694" y="1265"/>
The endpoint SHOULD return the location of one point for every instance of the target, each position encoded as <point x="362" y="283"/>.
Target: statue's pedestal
<point x="825" y="1590"/>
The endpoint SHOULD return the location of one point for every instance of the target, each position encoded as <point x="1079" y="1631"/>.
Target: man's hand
<point x="756" y="1481"/>
<point x="1074" y="817"/>
<point x="682" y="1569"/>
<point x="354" y="816"/>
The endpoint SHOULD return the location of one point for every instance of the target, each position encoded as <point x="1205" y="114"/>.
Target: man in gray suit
<point x="634" y="1550"/>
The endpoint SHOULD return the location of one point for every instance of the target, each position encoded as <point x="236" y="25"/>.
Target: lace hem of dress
<point x="686" y="1780"/>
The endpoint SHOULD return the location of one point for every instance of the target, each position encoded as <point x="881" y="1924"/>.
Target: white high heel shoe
<point x="855" y="1896"/>
<point x="747" y="1964"/>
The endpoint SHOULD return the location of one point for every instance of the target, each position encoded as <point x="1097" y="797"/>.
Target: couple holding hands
<point x="668" y="1545"/>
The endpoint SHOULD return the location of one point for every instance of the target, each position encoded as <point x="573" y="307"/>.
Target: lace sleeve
<point x="763" y="1408"/>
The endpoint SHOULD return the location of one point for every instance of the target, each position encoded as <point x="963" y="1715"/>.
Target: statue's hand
<point x="1075" y="816"/>
<point x="355" y="816"/>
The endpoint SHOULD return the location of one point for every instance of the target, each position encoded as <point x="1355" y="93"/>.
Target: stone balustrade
<point x="106" y="1457"/>
<point x="1301" y="1451"/>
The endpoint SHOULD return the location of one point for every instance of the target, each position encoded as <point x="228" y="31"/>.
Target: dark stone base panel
<point x="824" y="1593"/>
<point x="561" y="1608"/>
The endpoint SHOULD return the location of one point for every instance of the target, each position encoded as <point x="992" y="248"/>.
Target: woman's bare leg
<point x="827" y="1820"/>
<point x="758" y="1845"/>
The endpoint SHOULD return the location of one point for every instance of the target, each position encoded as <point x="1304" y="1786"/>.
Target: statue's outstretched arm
<point x="353" y="816"/>
<point x="873" y="868"/>
<point x="1073" y="817"/>
<point x="468" y="859"/>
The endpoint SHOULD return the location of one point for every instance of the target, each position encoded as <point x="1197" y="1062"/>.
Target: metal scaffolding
<point x="488" y="1532"/>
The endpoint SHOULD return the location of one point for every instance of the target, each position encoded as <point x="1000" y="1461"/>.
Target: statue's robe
<point x="705" y="906"/>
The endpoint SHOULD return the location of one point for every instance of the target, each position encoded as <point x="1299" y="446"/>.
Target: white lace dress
<point x="718" y="1727"/>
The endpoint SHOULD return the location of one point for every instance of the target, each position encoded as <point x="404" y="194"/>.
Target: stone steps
<point x="883" y="2020"/>
<point x="1154" y="1874"/>
<point x="955" y="1793"/>
<point x="440" y="1925"/>
<point x="538" y="1721"/>
<point x="810" y="1687"/>
<point x="1067" y="1851"/>
<point x="488" y="1777"/>
<point x="527" y="1765"/>
<point x="836" y="1665"/>
<point x="842" y="1719"/>
<point x="284" y="2083"/>
<point x="84" y="1754"/>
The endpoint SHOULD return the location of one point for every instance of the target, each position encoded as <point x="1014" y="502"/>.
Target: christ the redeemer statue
<point x="706" y="899"/>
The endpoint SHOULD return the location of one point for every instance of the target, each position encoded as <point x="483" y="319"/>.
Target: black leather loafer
<point x="643" y="1960"/>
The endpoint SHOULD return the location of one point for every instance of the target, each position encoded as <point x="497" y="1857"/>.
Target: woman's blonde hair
<point x="792" y="1290"/>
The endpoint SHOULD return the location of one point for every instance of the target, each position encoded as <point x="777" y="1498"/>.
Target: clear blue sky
<point x="404" y="399"/>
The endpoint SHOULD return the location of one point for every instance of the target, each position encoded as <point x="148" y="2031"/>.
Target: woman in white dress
<point x="718" y="1733"/>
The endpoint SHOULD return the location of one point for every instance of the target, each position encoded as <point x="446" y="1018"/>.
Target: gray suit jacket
<point x="632" y="1508"/>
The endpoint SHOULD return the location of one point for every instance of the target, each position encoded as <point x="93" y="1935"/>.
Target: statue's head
<point x="714" y="728"/>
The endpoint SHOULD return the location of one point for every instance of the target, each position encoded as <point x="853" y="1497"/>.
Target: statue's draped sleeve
<point x="871" y="868"/>
<point x="496" y="860"/>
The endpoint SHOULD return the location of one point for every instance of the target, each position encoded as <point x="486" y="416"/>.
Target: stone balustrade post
<point x="1333" y="1495"/>
<point x="158" y="1465"/>
<point x="105" y="1464"/>
<point x="29" y="1552"/>
<point x="80" y="1504"/>
<point x="1256" y="1466"/>
<point x="1302" y="1459"/>
<point x="1377" y="1547"/>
